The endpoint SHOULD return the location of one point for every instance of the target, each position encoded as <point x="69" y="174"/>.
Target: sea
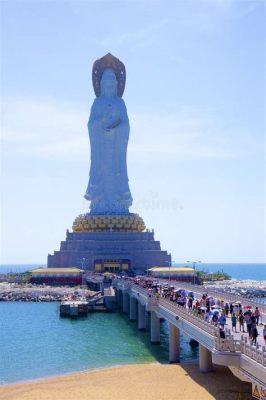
<point x="236" y="270"/>
<point x="36" y="342"/>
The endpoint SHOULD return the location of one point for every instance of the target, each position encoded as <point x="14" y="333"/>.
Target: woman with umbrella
<point x="214" y="314"/>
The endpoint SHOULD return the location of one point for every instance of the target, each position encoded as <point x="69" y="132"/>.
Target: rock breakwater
<point x="29" y="292"/>
<point x="247" y="288"/>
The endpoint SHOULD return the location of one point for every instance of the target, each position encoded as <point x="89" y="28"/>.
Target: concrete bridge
<point x="245" y="361"/>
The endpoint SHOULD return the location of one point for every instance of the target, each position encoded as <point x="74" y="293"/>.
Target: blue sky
<point x="195" y="96"/>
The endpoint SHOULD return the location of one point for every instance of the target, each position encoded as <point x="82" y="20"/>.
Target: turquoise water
<point x="36" y="342"/>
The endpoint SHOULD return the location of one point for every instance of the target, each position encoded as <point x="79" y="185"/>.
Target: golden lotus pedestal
<point x="118" y="223"/>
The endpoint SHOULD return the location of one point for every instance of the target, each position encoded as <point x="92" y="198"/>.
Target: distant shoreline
<point x="255" y="271"/>
<point x="250" y="288"/>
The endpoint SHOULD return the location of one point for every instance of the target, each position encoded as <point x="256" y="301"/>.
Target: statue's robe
<point x="108" y="188"/>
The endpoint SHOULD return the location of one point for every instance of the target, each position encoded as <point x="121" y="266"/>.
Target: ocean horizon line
<point x="174" y="262"/>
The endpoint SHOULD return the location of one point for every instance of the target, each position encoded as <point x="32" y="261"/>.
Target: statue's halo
<point x="108" y="61"/>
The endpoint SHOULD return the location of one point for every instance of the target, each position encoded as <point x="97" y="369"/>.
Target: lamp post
<point x="169" y="278"/>
<point x="82" y="261"/>
<point x="194" y="263"/>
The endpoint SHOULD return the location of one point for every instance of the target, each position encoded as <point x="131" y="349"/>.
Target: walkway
<point x="246" y="361"/>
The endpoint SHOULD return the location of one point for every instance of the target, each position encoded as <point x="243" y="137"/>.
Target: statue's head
<point x="108" y="83"/>
<point x="108" y="68"/>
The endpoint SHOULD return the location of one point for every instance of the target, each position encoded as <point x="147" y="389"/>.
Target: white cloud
<point x="48" y="128"/>
<point x="184" y="134"/>
<point x="44" y="128"/>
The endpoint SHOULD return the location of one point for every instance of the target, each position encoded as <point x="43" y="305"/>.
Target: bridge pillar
<point x="132" y="309"/>
<point x="125" y="302"/>
<point x="155" y="328"/>
<point x="119" y="298"/>
<point x="174" y="344"/>
<point x="117" y="295"/>
<point x="205" y="359"/>
<point x="141" y="317"/>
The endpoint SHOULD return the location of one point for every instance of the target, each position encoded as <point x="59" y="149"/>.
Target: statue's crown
<point x="108" y="61"/>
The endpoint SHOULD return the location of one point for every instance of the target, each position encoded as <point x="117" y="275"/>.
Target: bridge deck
<point x="232" y="344"/>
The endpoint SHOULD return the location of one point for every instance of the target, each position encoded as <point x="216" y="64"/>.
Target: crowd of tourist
<point x="214" y="310"/>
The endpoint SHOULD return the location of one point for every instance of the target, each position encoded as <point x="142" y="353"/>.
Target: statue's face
<point x="108" y="82"/>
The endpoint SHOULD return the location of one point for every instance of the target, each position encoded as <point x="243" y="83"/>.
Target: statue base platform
<point x="108" y="222"/>
<point x="112" y="251"/>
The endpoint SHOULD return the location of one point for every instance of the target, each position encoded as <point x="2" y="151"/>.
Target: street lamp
<point x="169" y="263"/>
<point x="194" y="263"/>
<point x="83" y="262"/>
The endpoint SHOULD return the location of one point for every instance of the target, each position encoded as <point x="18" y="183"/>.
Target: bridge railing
<point x="232" y="298"/>
<point x="178" y="310"/>
<point x="257" y="353"/>
<point x="227" y="344"/>
<point x="229" y="297"/>
<point x="187" y="315"/>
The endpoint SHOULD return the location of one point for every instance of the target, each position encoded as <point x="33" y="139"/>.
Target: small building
<point x="111" y="265"/>
<point x="184" y="274"/>
<point x="57" y="276"/>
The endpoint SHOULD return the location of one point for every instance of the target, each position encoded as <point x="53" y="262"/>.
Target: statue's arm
<point x="123" y="116"/>
<point x="95" y="118"/>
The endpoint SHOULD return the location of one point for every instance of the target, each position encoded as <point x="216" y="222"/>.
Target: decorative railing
<point x="257" y="353"/>
<point x="188" y="315"/>
<point x="229" y="344"/>
<point x="229" y="297"/>
<point x="180" y="311"/>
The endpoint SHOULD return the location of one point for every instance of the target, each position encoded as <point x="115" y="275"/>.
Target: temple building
<point x="54" y="276"/>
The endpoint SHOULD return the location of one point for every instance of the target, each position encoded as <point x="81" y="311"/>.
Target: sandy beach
<point x="133" y="382"/>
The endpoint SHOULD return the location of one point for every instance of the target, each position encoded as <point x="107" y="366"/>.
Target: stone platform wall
<point x="138" y="247"/>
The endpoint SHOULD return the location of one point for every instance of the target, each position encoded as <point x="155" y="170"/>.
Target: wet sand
<point x="133" y="382"/>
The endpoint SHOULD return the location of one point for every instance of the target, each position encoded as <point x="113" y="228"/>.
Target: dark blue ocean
<point x="236" y="270"/>
<point x="36" y="342"/>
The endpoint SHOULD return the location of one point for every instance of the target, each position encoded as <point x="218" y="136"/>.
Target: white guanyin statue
<point x="108" y="189"/>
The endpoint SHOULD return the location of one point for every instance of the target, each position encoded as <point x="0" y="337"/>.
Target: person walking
<point x="254" y="334"/>
<point x="226" y="307"/>
<point x="190" y="302"/>
<point x="241" y="322"/>
<point x="264" y="333"/>
<point x="222" y="333"/>
<point x="222" y="321"/>
<point x="233" y="320"/>
<point x="249" y="324"/>
<point x="257" y="315"/>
